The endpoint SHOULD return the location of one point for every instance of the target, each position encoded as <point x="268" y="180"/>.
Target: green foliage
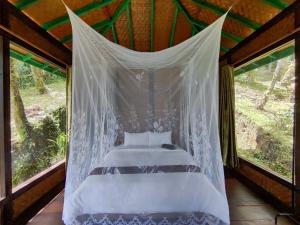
<point x="26" y="77"/>
<point x="60" y="116"/>
<point x="272" y="126"/>
<point x="45" y="146"/>
<point x="43" y="114"/>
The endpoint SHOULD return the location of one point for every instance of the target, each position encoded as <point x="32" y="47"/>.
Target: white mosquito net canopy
<point x="117" y="90"/>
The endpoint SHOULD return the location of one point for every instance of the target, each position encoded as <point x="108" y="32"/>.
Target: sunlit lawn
<point x="55" y="97"/>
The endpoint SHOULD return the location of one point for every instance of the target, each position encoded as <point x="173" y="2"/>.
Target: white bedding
<point x="146" y="156"/>
<point x="147" y="193"/>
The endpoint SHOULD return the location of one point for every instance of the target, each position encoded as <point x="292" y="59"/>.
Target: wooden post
<point x="5" y="117"/>
<point x="297" y="119"/>
<point x="68" y="110"/>
<point x="2" y="155"/>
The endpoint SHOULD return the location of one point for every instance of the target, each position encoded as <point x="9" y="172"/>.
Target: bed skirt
<point x="196" y="218"/>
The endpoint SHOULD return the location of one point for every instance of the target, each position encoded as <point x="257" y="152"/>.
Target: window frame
<point x="11" y="193"/>
<point x="290" y="183"/>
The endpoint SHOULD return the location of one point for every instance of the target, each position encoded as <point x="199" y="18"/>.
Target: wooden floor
<point x="246" y="208"/>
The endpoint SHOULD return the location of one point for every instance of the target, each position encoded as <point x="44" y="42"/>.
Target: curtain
<point x="227" y="117"/>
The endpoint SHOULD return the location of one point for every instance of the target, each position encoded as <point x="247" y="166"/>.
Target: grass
<point x="276" y="119"/>
<point x="267" y="164"/>
<point x="43" y="103"/>
<point x="47" y="102"/>
<point x="265" y="119"/>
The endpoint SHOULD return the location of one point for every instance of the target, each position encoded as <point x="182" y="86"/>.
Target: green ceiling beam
<point x="118" y="12"/>
<point x="225" y="34"/>
<point x="27" y="57"/>
<point x="101" y="24"/>
<point x="266" y="60"/>
<point x="245" y="21"/>
<point x="113" y="29"/>
<point x="43" y="66"/>
<point x="80" y="12"/>
<point x="66" y="39"/>
<point x="278" y="4"/>
<point x="194" y="31"/>
<point x="171" y="42"/>
<point x="130" y="30"/>
<point x="152" y="26"/>
<point x="203" y="25"/>
<point x="231" y="36"/>
<point x="96" y="26"/>
<point x="184" y="11"/>
<point x="23" y="4"/>
<point x="224" y="49"/>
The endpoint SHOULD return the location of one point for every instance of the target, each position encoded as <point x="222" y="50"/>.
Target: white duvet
<point x="146" y="193"/>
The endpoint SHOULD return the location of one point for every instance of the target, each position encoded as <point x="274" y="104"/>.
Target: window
<point x="38" y="114"/>
<point x="264" y="93"/>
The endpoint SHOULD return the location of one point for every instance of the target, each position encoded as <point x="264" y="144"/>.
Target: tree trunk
<point x="289" y="75"/>
<point x="275" y="78"/>
<point x="23" y="128"/>
<point x="38" y="76"/>
<point x="251" y="77"/>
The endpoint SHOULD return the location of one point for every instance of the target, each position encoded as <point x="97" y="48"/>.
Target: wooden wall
<point x="27" y="201"/>
<point x="18" y="205"/>
<point x="274" y="33"/>
<point x="23" y="31"/>
<point x="281" y="29"/>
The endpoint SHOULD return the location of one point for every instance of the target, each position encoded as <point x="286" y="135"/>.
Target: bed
<point x="137" y="185"/>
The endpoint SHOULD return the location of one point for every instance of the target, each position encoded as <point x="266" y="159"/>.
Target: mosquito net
<point x="117" y="90"/>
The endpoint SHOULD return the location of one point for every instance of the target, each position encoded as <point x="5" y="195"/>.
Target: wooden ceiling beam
<point x="225" y="34"/>
<point x="184" y="11"/>
<point x="278" y="4"/>
<point x="220" y="11"/>
<point x="171" y="42"/>
<point x="130" y="29"/>
<point x="277" y="31"/>
<point x="106" y="24"/>
<point x="27" y="57"/>
<point x="266" y="60"/>
<point x="113" y="29"/>
<point x="96" y="26"/>
<point x="23" y="4"/>
<point x="223" y="49"/>
<point x="203" y="25"/>
<point x="118" y="12"/>
<point x="80" y="12"/>
<point x="25" y="32"/>
<point x="53" y="70"/>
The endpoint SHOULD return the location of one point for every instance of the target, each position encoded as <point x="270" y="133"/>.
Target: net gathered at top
<point x="117" y="89"/>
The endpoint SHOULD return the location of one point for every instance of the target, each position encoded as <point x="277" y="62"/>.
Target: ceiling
<point x="152" y="25"/>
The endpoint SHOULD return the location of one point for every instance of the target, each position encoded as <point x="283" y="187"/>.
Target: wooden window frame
<point x="11" y="19"/>
<point x="265" y="171"/>
<point x="268" y="172"/>
<point x="9" y="192"/>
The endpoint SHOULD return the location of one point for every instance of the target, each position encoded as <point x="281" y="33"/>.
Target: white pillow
<point x="136" y="138"/>
<point x="157" y="139"/>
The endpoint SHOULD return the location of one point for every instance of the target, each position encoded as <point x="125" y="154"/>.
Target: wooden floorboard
<point x="246" y="208"/>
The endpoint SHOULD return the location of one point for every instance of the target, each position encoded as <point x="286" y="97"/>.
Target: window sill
<point x="25" y="186"/>
<point x="278" y="178"/>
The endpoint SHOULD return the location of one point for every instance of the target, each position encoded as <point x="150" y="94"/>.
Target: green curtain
<point x="226" y="117"/>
